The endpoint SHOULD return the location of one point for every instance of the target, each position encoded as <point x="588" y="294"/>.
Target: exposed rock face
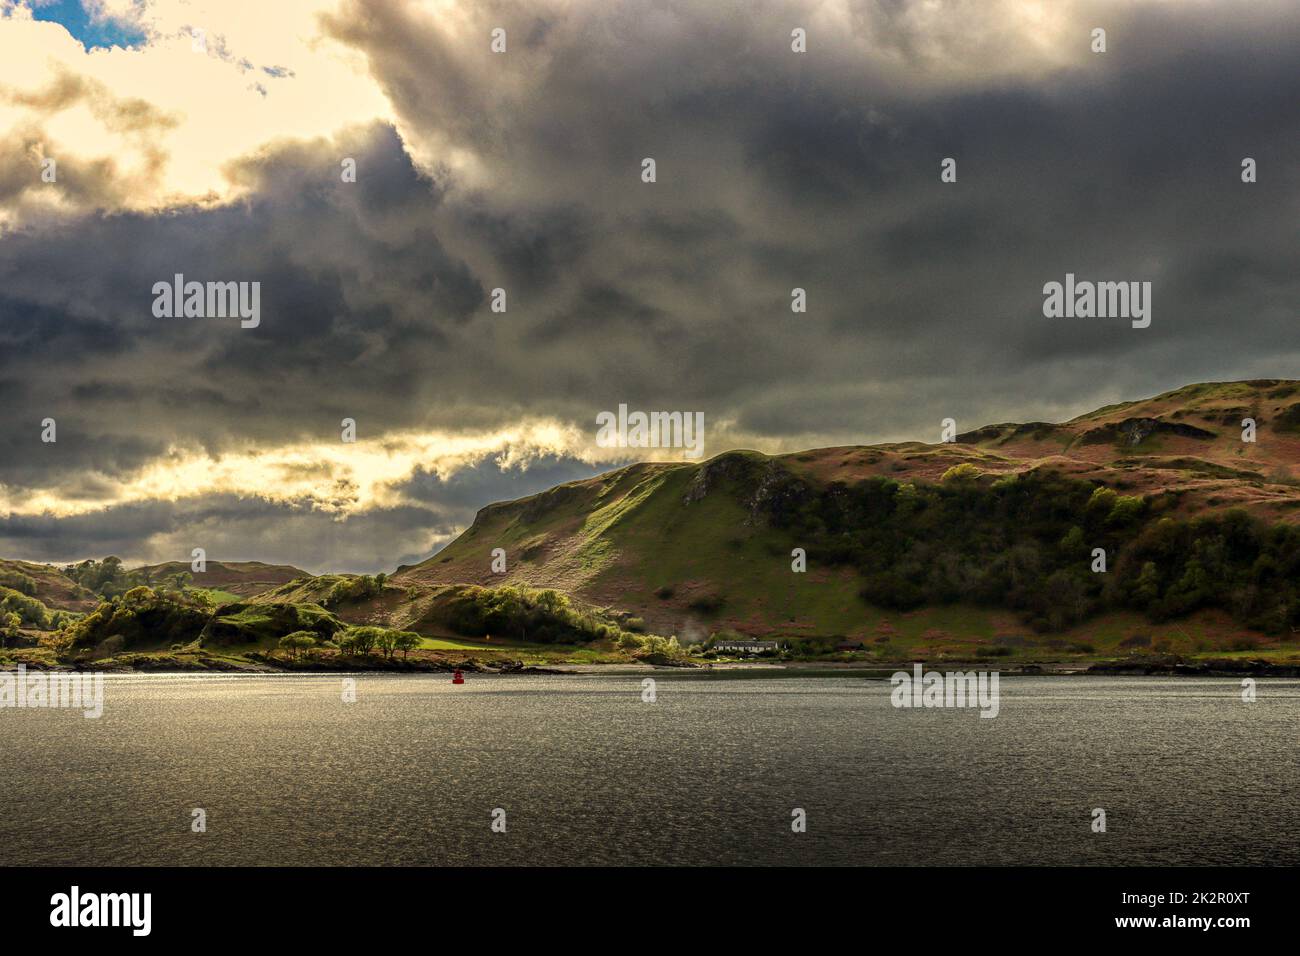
<point x="539" y="505"/>
<point x="778" y="493"/>
<point x="731" y="466"/>
<point x="1133" y="431"/>
<point x="765" y="487"/>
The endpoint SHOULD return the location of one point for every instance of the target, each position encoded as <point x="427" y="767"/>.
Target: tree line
<point x="1026" y="542"/>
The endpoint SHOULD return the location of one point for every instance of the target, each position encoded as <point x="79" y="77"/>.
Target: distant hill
<point x="983" y="546"/>
<point x="59" y="591"/>
<point x="46" y="584"/>
<point x="900" y="539"/>
<point x="245" y="578"/>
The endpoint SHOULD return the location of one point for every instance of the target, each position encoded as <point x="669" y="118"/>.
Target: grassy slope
<point x="53" y="588"/>
<point x="621" y="538"/>
<point x="227" y="580"/>
<point x="243" y="578"/>
<point x="667" y="540"/>
<point x="424" y="613"/>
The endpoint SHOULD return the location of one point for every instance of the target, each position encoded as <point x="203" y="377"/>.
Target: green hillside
<point x="46" y="584"/>
<point x="981" y="543"/>
<point x="243" y="578"/>
<point x="985" y="546"/>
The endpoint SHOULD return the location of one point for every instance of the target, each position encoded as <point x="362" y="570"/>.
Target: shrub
<point x="9" y="624"/>
<point x="525" y="614"/>
<point x="17" y="581"/>
<point x="139" y="617"/>
<point x="349" y="590"/>
<point x="297" y="642"/>
<point x="30" y="611"/>
<point x="963" y="472"/>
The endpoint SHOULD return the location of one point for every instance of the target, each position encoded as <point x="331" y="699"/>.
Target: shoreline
<point x="261" y="664"/>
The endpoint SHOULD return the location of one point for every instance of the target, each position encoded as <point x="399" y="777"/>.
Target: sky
<point x="214" y="139"/>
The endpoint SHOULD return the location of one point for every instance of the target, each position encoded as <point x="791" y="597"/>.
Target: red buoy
<point x="457" y="677"/>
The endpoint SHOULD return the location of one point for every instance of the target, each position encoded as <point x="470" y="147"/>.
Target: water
<point x="588" y="773"/>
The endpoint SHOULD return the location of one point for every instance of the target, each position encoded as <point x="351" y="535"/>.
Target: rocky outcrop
<point x="1134" y="431"/>
<point x="764" y="487"/>
<point x="1176" y="666"/>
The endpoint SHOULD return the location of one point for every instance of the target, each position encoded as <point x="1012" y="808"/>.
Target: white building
<point x="745" y="647"/>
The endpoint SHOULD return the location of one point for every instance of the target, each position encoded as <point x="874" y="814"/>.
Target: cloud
<point x="162" y="119"/>
<point x="233" y="528"/>
<point x="521" y="171"/>
<point x="820" y="171"/>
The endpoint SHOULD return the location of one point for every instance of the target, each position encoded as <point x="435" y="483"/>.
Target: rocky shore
<point x="1177" y="667"/>
<point x="261" y="663"/>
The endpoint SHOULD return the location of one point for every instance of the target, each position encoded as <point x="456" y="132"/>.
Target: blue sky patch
<point x="92" y="34"/>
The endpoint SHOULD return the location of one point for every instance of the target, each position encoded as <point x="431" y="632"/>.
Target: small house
<point x="745" y="647"/>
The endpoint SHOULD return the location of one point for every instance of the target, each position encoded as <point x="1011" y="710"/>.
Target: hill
<point x="46" y="584"/>
<point x="985" y="540"/>
<point x="984" y="546"/>
<point x="243" y="578"/>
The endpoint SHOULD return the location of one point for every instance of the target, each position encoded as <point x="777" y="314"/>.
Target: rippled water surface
<point x="709" y="773"/>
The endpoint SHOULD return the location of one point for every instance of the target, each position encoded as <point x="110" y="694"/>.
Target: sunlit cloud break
<point x="337" y="477"/>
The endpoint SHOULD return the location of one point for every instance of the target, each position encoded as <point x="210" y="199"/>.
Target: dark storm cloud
<point x="234" y="529"/>
<point x="821" y="171"/>
<point x="775" y="170"/>
<point x="470" y="487"/>
<point x="357" y="295"/>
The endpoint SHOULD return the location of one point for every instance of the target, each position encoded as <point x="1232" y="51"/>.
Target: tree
<point x="1147" y="592"/>
<point x="1073" y="546"/>
<point x="1126" y="511"/>
<point x="297" y="642"/>
<point x="407" y="641"/>
<point x="178" y="581"/>
<point x="9" y="624"/>
<point x="1066" y="599"/>
<point x="362" y="640"/>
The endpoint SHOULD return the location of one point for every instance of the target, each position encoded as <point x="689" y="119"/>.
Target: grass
<point x="263" y="623"/>
<point x="527" y="651"/>
<point x="216" y="595"/>
<point x="469" y="643"/>
<point x="657" y="556"/>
